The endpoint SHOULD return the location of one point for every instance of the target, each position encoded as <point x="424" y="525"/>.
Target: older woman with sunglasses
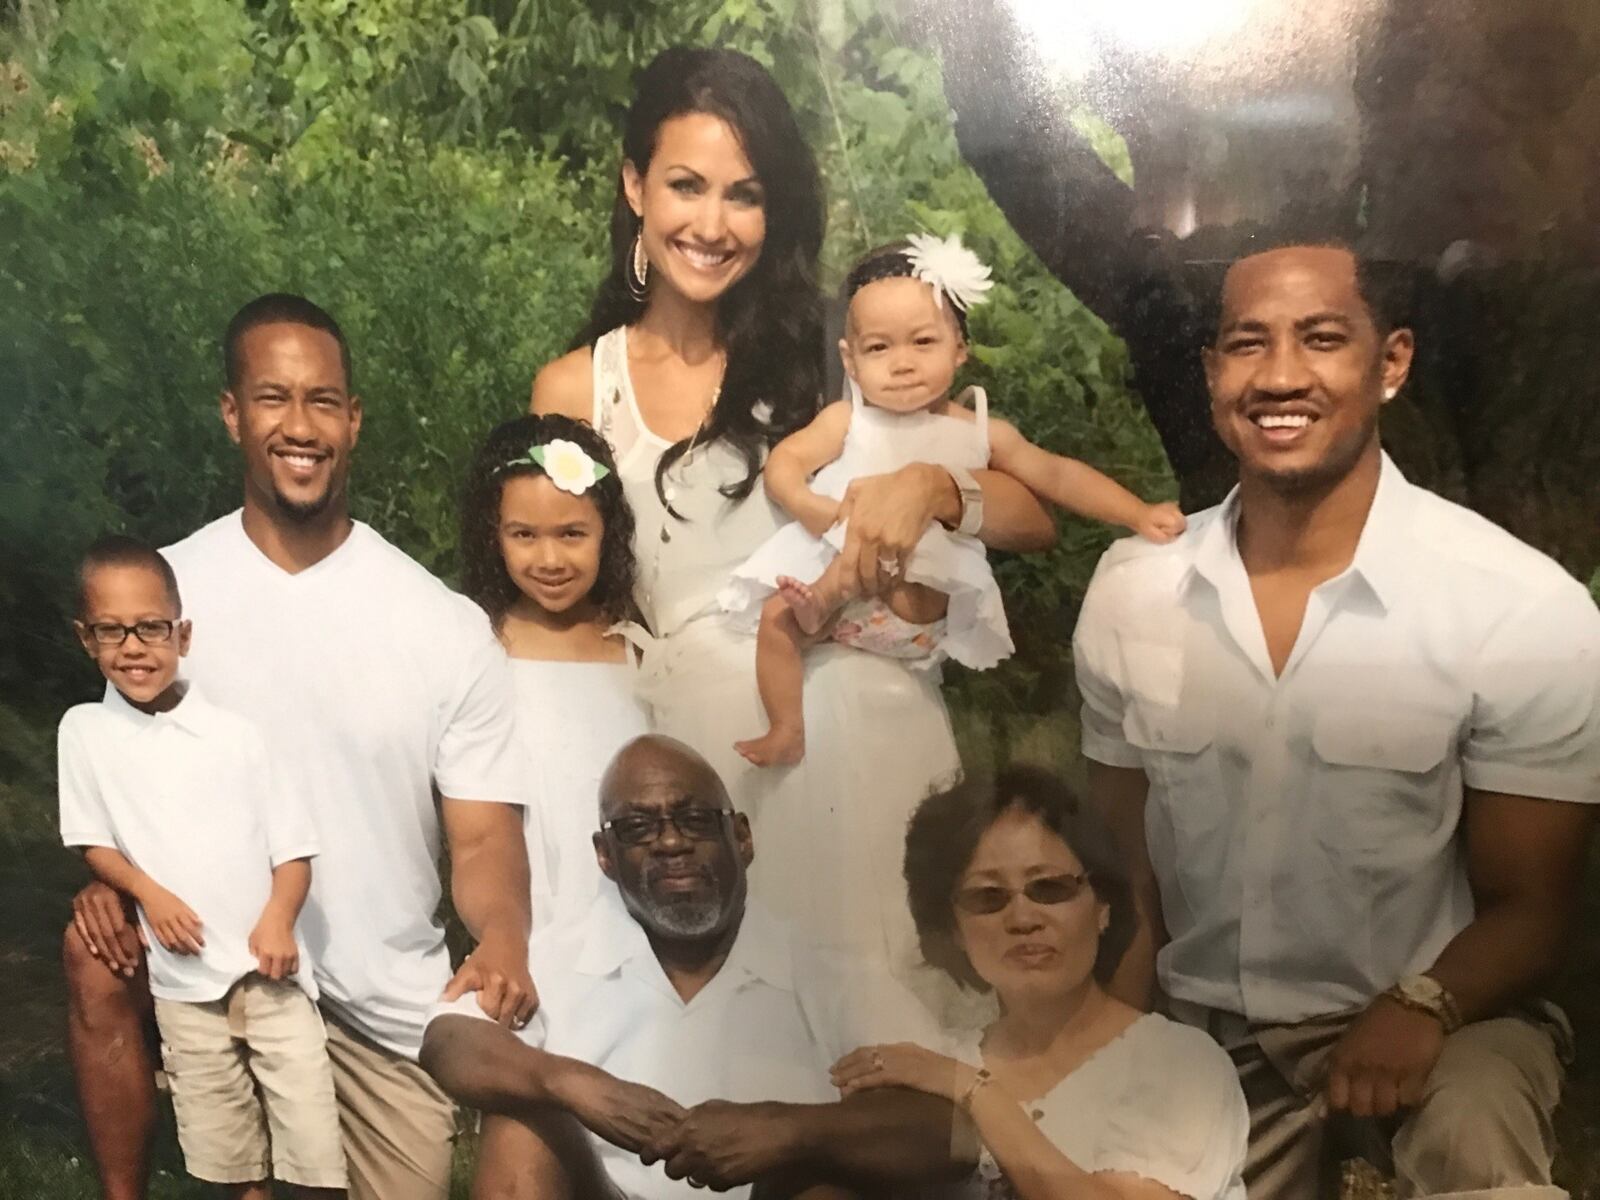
<point x="1016" y="887"/>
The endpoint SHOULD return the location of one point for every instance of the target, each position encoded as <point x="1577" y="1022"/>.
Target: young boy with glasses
<point x="173" y="803"/>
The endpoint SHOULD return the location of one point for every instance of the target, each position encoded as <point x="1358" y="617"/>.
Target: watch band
<point x="1440" y="1005"/>
<point x="971" y="501"/>
<point x="980" y="1079"/>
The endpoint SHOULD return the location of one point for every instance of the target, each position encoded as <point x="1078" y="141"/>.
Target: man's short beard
<point x="679" y="918"/>
<point x="1325" y="475"/>
<point x="685" y="917"/>
<point x="303" y="512"/>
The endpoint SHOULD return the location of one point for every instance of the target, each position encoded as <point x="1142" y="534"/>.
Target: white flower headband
<point x="949" y="268"/>
<point x="566" y="463"/>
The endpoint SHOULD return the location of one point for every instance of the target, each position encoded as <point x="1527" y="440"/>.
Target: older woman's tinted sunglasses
<point x="984" y="898"/>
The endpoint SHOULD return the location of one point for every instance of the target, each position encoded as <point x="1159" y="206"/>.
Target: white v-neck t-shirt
<point x="372" y="684"/>
<point x="189" y="797"/>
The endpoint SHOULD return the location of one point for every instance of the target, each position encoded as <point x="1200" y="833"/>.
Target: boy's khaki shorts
<point x="215" y="1053"/>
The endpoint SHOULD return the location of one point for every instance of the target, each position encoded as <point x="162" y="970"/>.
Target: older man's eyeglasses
<point x="985" y="898"/>
<point x="692" y="824"/>
<point x="151" y="633"/>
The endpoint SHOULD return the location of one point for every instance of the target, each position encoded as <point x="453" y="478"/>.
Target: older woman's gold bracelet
<point x="979" y="1079"/>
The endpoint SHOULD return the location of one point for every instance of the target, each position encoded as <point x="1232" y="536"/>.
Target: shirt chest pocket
<point x="1380" y="778"/>
<point x="1179" y="751"/>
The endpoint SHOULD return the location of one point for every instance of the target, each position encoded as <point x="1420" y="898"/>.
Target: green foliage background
<point x="437" y="174"/>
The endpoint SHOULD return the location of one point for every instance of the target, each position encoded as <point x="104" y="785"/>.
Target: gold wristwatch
<point x="1426" y="994"/>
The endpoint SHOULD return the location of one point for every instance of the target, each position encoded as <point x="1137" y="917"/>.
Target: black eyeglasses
<point x="692" y="824"/>
<point x="982" y="899"/>
<point x="151" y="633"/>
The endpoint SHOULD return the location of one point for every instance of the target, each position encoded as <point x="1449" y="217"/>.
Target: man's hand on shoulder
<point x="1384" y="1059"/>
<point x="498" y="971"/>
<point x="722" y="1144"/>
<point x="631" y="1116"/>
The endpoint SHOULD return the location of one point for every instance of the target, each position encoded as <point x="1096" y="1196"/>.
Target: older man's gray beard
<point x="690" y="917"/>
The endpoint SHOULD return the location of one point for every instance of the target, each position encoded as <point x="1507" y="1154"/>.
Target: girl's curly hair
<point x="503" y="456"/>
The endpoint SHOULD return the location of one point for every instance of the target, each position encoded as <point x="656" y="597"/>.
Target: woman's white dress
<point x="1161" y="1101"/>
<point x="830" y="831"/>
<point x="572" y="717"/>
<point x="879" y="441"/>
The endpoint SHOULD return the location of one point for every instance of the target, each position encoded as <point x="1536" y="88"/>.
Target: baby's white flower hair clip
<point x="949" y="268"/>
<point x="566" y="463"/>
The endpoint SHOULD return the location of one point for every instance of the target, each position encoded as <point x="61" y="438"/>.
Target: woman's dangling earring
<point x="638" y="270"/>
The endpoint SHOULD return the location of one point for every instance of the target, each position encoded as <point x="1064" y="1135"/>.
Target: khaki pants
<point x="251" y="1087"/>
<point x="1482" y="1131"/>
<point x="398" y="1125"/>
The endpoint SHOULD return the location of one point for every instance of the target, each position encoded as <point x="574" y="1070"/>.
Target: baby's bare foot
<point x="778" y="747"/>
<point x="809" y="611"/>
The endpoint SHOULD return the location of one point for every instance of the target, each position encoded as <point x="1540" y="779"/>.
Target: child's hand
<point x="1160" y="523"/>
<point x="272" y="942"/>
<point x="175" y="924"/>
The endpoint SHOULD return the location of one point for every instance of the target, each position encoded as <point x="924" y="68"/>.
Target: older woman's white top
<point x="829" y="832"/>
<point x="1160" y="1101"/>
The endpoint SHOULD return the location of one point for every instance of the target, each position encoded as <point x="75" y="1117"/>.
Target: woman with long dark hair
<point x="704" y="348"/>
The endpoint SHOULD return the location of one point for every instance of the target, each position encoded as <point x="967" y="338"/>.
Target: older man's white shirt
<point x="768" y="1026"/>
<point x="1304" y="829"/>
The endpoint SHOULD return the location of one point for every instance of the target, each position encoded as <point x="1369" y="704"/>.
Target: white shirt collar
<point x="1381" y="556"/>
<point x="760" y="948"/>
<point x="191" y="714"/>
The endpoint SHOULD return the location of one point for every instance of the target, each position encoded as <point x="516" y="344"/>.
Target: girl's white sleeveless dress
<point x="974" y="630"/>
<point x="829" y="832"/>
<point x="572" y="717"/>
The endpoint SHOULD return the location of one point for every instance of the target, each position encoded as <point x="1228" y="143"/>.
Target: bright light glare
<point x="1067" y="30"/>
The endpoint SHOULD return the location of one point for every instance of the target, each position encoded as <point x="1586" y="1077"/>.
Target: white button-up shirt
<point x="190" y="797"/>
<point x="767" y="1026"/>
<point x="1305" y="828"/>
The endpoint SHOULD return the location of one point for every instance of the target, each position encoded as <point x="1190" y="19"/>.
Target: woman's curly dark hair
<point x="502" y="457"/>
<point x="943" y="836"/>
<point x="770" y="322"/>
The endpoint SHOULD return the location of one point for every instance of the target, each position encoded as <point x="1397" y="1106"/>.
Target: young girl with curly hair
<point x="546" y="542"/>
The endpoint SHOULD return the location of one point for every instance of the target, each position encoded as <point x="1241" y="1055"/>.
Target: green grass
<point x="41" y="1144"/>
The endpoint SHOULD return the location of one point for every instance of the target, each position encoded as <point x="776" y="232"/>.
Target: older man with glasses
<point x="683" y="1033"/>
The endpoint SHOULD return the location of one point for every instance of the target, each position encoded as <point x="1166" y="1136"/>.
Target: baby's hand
<point x="175" y="923"/>
<point x="272" y="942"/>
<point x="1160" y="523"/>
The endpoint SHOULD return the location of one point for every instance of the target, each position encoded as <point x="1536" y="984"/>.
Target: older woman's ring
<point x="888" y="564"/>
<point x="695" y="1183"/>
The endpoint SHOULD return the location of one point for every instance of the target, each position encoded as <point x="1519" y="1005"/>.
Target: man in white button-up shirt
<point x="683" y="1027"/>
<point x="1351" y="734"/>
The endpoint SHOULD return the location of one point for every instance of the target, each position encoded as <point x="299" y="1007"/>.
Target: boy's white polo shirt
<point x="371" y="682"/>
<point x="189" y="797"/>
<point x="767" y="1026"/>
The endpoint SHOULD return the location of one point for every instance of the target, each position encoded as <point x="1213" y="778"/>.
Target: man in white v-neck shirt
<point x="1350" y="735"/>
<point x="374" y="686"/>
<point x="684" y="1035"/>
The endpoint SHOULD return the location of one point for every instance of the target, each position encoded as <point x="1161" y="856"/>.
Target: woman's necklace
<point x="669" y="488"/>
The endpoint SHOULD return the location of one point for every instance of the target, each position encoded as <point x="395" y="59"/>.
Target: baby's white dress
<point x="829" y="832"/>
<point x="572" y="717"/>
<point x="878" y="441"/>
